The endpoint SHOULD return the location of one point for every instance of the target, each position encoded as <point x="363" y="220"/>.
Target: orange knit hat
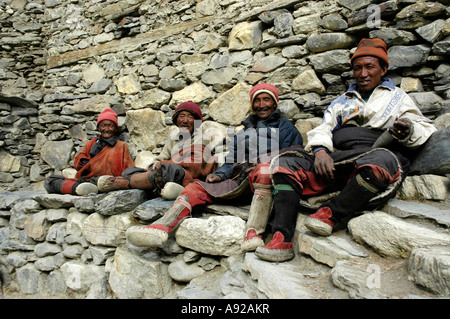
<point x="371" y="47"/>
<point x="108" y="114"/>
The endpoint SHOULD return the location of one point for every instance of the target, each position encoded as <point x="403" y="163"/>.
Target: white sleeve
<point x="322" y="134"/>
<point x="422" y="127"/>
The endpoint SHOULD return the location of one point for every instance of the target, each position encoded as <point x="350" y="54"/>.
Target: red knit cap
<point x="108" y="114"/>
<point x="189" y="106"/>
<point x="264" y="88"/>
<point x="371" y="47"/>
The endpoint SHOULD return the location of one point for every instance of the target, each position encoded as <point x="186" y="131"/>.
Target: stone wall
<point x="62" y="62"/>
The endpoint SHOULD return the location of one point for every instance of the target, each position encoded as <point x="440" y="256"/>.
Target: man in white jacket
<point x="349" y="153"/>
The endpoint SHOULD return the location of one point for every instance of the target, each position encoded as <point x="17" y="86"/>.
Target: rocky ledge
<point x="63" y="246"/>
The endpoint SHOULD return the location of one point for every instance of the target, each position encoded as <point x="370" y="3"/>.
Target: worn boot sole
<point x="251" y="244"/>
<point x="146" y="237"/>
<point x="171" y="191"/>
<point x="276" y="255"/>
<point x="103" y="183"/>
<point x="318" y="227"/>
<point x="86" y="188"/>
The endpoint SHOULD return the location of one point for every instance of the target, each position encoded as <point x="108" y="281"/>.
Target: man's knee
<point x="261" y="175"/>
<point x="196" y="194"/>
<point x="381" y="165"/>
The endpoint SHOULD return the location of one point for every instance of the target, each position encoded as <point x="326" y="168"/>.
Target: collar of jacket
<point x="253" y="119"/>
<point x="386" y="83"/>
<point x="111" y="141"/>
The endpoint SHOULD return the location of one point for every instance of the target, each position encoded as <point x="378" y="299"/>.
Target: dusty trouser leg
<point x="165" y="174"/>
<point x="260" y="207"/>
<point x="109" y="183"/>
<point x="369" y="181"/>
<point x="157" y="233"/>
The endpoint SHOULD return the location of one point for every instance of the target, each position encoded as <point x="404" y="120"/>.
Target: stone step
<point x="400" y="252"/>
<point x="409" y="209"/>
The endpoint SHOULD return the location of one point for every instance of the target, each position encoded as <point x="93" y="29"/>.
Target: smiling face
<point x="368" y="73"/>
<point x="185" y="121"/>
<point x="263" y="105"/>
<point x="107" y="128"/>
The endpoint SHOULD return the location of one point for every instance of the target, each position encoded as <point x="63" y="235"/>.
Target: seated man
<point x="184" y="159"/>
<point x="349" y="152"/>
<point x="264" y="132"/>
<point x="100" y="156"/>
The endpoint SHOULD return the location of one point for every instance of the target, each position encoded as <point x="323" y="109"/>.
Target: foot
<point x="320" y="222"/>
<point x="252" y="241"/>
<point x="147" y="236"/>
<point x="277" y="250"/>
<point x="107" y="183"/>
<point x="87" y="188"/>
<point x="157" y="233"/>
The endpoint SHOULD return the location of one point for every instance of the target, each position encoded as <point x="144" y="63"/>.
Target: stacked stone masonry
<point x="62" y="62"/>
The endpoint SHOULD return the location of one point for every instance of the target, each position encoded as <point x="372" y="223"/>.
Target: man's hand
<point x="211" y="178"/>
<point x="251" y="168"/>
<point x="401" y="128"/>
<point x="324" y="164"/>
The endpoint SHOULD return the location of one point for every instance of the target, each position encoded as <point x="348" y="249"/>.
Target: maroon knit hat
<point x="189" y="106"/>
<point x="108" y="114"/>
<point x="264" y="88"/>
<point x="371" y="47"/>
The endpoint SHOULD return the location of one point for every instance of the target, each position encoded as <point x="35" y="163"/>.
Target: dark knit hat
<point x="189" y="106"/>
<point x="108" y="114"/>
<point x="371" y="47"/>
<point x="264" y="88"/>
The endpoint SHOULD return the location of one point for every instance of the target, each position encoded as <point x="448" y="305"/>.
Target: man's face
<point x="185" y="121"/>
<point x="263" y="105"/>
<point x="107" y="128"/>
<point x="368" y="73"/>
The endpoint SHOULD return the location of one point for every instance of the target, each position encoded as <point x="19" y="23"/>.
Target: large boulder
<point x="434" y="157"/>
<point x="391" y="236"/>
<point x="219" y="235"/>
<point x="133" y="276"/>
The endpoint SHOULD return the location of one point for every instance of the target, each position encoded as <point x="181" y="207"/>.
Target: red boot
<point x="252" y="241"/>
<point x="276" y="250"/>
<point x="320" y="222"/>
<point x="156" y="234"/>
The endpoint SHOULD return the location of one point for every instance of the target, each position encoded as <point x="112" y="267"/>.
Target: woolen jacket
<point x="258" y="138"/>
<point x="386" y="104"/>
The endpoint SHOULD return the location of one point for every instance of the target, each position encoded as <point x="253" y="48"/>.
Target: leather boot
<point x="277" y="250"/>
<point x="286" y="207"/>
<point x="353" y="197"/>
<point x="260" y="209"/>
<point x="157" y="233"/>
<point x="109" y="183"/>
